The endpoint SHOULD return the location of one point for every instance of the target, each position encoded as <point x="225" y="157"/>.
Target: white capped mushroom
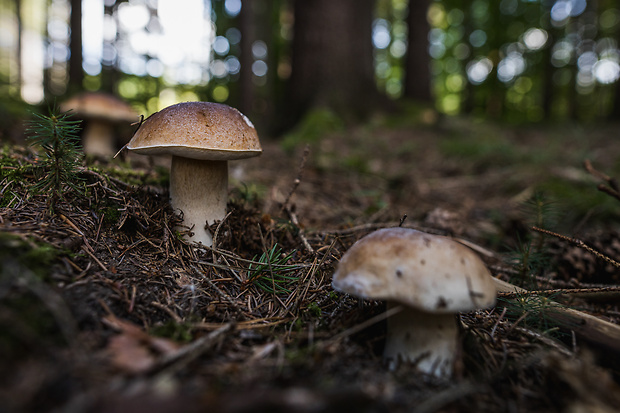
<point x="102" y="112"/>
<point x="432" y="277"/>
<point x="201" y="137"/>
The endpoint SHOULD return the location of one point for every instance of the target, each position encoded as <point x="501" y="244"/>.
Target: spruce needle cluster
<point x="269" y="272"/>
<point x="58" y="135"/>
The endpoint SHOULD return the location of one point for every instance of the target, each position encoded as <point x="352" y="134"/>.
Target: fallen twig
<point x="301" y="232"/>
<point x="588" y="328"/>
<point x="613" y="189"/>
<point x="172" y="363"/>
<point x="300" y="174"/>
<point x="579" y="243"/>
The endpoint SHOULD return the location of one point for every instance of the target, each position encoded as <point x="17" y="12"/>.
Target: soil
<point x="104" y="307"/>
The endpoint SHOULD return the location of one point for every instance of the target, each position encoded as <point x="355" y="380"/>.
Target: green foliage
<point x="269" y="272"/>
<point x="529" y="260"/>
<point x="174" y="331"/>
<point x="315" y="309"/>
<point x="532" y="310"/>
<point x="37" y="257"/>
<point x="530" y="257"/>
<point x="579" y="199"/>
<point x="30" y="308"/>
<point x="11" y="178"/>
<point x="250" y="193"/>
<point x="483" y="150"/>
<point x="314" y="126"/>
<point x="124" y="171"/>
<point x="58" y="136"/>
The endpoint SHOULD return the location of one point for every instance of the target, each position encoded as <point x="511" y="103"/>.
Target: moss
<point x="575" y="201"/>
<point x="250" y="193"/>
<point x="123" y="171"/>
<point x="174" y="331"/>
<point x="314" y="309"/>
<point x="27" y="323"/>
<point x="111" y="214"/>
<point x="36" y="256"/>
<point x="13" y="177"/>
<point x="487" y="151"/>
<point x="312" y="128"/>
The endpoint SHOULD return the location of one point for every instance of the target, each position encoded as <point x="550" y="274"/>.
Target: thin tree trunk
<point x="247" y="22"/>
<point x="76" y="74"/>
<point x="18" y="16"/>
<point x="417" y="63"/>
<point x="614" y="114"/>
<point x="332" y="62"/>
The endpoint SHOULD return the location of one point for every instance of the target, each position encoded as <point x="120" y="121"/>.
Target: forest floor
<point x="104" y="308"/>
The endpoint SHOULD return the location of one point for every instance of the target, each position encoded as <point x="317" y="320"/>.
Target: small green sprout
<point x="269" y="271"/>
<point x="58" y="136"/>
<point x="314" y="309"/>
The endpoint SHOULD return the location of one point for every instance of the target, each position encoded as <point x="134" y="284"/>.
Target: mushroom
<point x="101" y="112"/>
<point x="201" y="137"/>
<point x="432" y="277"/>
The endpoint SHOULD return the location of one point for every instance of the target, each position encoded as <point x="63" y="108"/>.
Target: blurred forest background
<point x="275" y="60"/>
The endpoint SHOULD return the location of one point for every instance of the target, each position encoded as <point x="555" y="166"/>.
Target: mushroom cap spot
<point x="451" y="279"/>
<point x="100" y="106"/>
<point x="197" y="130"/>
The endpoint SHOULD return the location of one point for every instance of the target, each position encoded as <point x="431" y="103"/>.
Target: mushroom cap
<point x="197" y="130"/>
<point x="100" y="105"/>
<point x="428" y="272"/>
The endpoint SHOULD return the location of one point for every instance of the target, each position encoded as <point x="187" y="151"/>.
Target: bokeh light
<point x="606" y="71"/>
<point x="259" y="68"/>
<point x="221" y="46"/>
<point x="563" y="9"/>
<point x="220" y="93"/>
<point x="478" y="70"/>
<point x="478" y="38"/>
<point x="381" y="37"/>
<point x="535" y="39"/>
<point x="508" y="51"/>
<point x="510" y="67"/>
<point x="232" y="7"/>
<point x="92" y="44"/>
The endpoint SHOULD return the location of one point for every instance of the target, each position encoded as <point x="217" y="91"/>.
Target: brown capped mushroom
<point x="201" y="137"/>
<point x="101" y="112"/>
<point x="432" y="277"/>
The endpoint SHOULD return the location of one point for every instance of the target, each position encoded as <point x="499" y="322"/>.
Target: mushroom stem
<point x="98" y="138"/>
<point x="199" y="190"/>
<point x="428" y="340"/>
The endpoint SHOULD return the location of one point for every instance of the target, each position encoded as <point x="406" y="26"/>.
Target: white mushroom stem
<point x="427" y="340"/>
<point x="98" y="138"/>
<point x="199" y="191"/>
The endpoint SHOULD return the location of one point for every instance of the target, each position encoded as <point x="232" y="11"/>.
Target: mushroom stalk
<point x="98" y="138"/>
<point x="199" y="191"/>
<point x="428" y="340"/>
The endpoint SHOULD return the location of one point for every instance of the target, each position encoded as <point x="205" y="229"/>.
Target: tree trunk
<point x="18" y="15"/>
<point x="332" y="62"/>
<point x="76" y="75"/>
<point x="247" y="23"/>
<point x="417" y="63"/>
<point x="614" y="114"/>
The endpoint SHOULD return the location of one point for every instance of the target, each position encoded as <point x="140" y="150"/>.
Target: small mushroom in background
<point x="101" y="113"/>
<point x="201" y="137"/>
<point x="432" y="277"/>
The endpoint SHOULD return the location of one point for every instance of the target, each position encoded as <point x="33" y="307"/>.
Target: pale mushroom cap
<point x="428" y="272"/>
<point x="198" y="130"/>
<point x="100" y="105"/>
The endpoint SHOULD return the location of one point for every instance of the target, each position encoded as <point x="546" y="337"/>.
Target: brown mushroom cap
<point x="198" y="130"/>
<point x="428" y="272"/>
<point x="101" y="106"/>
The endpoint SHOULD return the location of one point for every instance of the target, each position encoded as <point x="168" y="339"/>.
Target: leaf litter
<point x="125" y="314"/>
